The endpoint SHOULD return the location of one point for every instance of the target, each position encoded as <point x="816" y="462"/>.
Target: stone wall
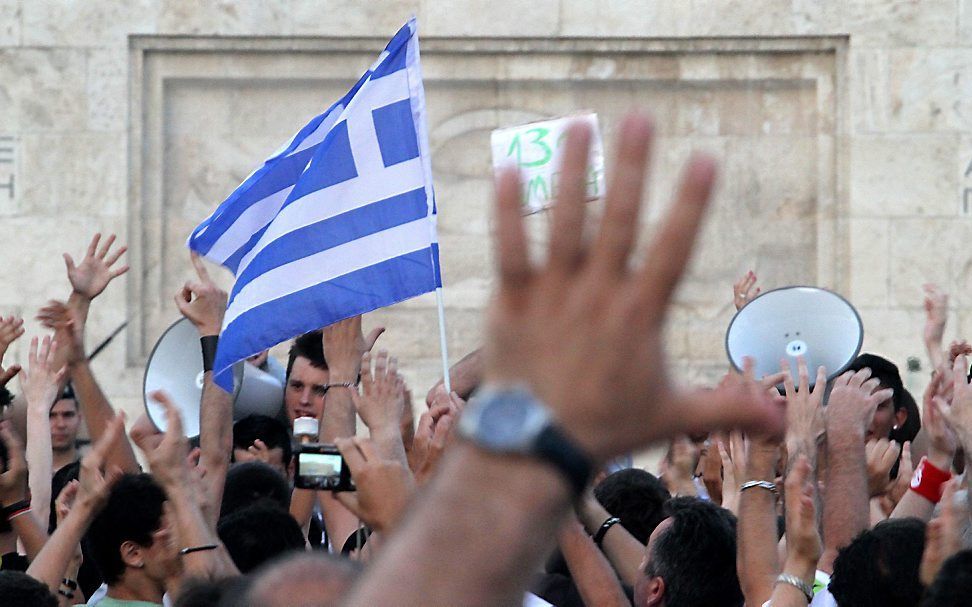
<point x="842" y="127"/>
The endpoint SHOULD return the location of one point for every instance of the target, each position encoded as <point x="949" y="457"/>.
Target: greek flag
<point x="340" y="221"/>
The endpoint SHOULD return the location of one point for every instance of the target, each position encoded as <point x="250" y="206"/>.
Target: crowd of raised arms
<point x="847" y="493"/>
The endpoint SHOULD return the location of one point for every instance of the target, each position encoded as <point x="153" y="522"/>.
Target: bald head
<point x="303" y="580"/>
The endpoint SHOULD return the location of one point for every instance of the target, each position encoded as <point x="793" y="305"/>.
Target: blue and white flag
<point x="339" y="222"/>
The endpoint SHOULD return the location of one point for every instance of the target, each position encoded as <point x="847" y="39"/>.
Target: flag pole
<point x="442" y="341"/>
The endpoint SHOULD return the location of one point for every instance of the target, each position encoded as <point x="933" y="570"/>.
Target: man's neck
<point x="136" y="587"/>
<point x="63" y="457"/>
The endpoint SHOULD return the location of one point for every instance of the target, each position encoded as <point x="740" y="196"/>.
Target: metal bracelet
<point x="768" y="485"/>
<point x="792" y="580"/>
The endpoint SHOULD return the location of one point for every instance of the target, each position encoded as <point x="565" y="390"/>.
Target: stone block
<point x="869" y="261"/>
<point x="42" y="90"/>
<point x="85" y="182"/>
<point x="924" y="250"/>
<point x="9" y="23"/>
<point x="106" y="88"/>
<point x="904" y="175"/>
<point x="889" y="23"/>
<point x="87" y="23"/>
<point x="490" y="19"/>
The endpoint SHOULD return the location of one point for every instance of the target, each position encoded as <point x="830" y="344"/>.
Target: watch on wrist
<point x="511" y="420"/>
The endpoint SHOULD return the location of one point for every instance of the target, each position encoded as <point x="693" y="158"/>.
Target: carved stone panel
<point x="206" y="111"/>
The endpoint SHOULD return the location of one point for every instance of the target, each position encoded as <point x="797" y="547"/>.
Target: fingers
<point x="788" y="386"/>
<point x="821" y="383"/>
<point x="173" y="419"/>
<point x="373" y="337"/>
<point x="366" y="377"/>
<point x="11" y="372"/>
<point x="200" y="267"/>
<point x="116" y="256"/>
<point x="105" y="247"/>
<point x="567" y="223"/>
<point x="69" y="263"/>
<point x="730" y="407"/>
<point x="670" y="250"/>
<point x="351" y="453"/>
<point x="511" y="246"/>
<point x="803" y="374"/>
<point x="623" y="200"/>
<point x="93" y="246"/>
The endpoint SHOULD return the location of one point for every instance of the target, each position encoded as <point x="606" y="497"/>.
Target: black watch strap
<point x="208" y="344"/>
<point x="555" y="447"/>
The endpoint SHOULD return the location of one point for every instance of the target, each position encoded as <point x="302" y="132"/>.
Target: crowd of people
<point x="825" y="492"/>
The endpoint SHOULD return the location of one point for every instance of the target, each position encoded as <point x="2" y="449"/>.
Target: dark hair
<point x="953" y="584"/>
<point x="309" y="346"/>
<point x="21" y="590"/>
<point x="68" y="393"/>
<point x="636" y="497"/>
<point x="258" y="533"/>
<point x="211" y="593"/>
<point x="887" y="372"/>
<point x="248" y="482"/>
<point x="880" y="567"/>
<point x="696" y="555"/>
<point x="268" y="429"/>
<point x="4" y="523"/>
<point x="133" y="513"/>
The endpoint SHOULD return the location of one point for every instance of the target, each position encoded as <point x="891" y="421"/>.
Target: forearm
<point x="757" y="559"/>
<point x="338" y="421"/>
<point x="846" y="511"/>
<point x="622" y="549"/>
<point x="215" y="440"/>
<point x="97" y="412"/>
<point x="193" y="530"/>
<point x="31" y="533"/>
<point x="53" y="560"/>
<point x="40" y="461"/>
<point x="788" y="595"/>
<point x="913" y="504"/>
<point x="513" y="528"/>
<point x="466" y="375"/>
<point x="596" y="581"/>
<point x="388" y="443"/>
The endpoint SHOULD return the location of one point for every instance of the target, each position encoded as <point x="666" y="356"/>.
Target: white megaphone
<point x="817" y="324"/>
<point x="176" y="367"/>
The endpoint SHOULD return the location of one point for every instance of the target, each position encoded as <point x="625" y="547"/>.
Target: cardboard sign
<point x="536" y="148"/>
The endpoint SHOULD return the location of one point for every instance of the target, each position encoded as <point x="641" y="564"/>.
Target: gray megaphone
<point x="176" y="367"/>
<point x="817" y="324"/>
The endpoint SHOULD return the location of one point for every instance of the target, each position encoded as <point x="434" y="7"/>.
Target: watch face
<point x="509" y="421"/>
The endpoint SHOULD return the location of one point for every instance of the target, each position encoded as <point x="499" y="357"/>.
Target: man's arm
<point x="464" y="377"/>
<point x="40" y="384"/>
<point x="95" y="486"/>
<point x="204" y="304"/>
<point x="13" y="489"/>
<point x="849" y="411"/>
<point x="592" y="573"/>
<point x="344" y="345"/>
<point x="69" y="324"/>
<point x="502" y="510"/>
<point x="758" y="561"/>
<point x="623" y="550"/>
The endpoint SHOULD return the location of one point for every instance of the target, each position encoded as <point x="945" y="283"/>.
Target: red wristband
<point x="928" y="480"/>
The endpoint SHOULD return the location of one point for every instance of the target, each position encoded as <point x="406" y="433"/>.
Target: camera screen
<point x="319" y="464"/>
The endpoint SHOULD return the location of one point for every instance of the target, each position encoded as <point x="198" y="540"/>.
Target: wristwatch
<point x="511" y="420"/>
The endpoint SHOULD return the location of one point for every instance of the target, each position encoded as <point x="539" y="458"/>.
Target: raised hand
<point x="344" y="345"/>
<point x="958" y="412"/>
<point x="382" y="396"/>
<point x="11" y="328"/>
<point x="201" y="301"/>
<point x="803" y="543"/>
<point x="943" y="536"/>
<point x="96" y="477"/>
<point x="90" y="277"/>
<point x="168" y="458"/>
<point x="853" y="400"/>
<point x="434" y="433"/>
<point x="942" y="442"/>
<point x="881" y="455"/>
<point x="742" y="290"/>
<point x="13" y="480"/>
<point x="68" y="327"/>
<point x="384" y="487"/>
<point x="805" y="425"/>
<point x="936" y="315"/>
<point x="40" y="382"/>
<point x="584" y="330"/>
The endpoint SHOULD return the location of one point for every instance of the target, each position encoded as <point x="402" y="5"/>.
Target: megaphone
<point x="176" y="367"/>
<point x="817" y="324"/>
